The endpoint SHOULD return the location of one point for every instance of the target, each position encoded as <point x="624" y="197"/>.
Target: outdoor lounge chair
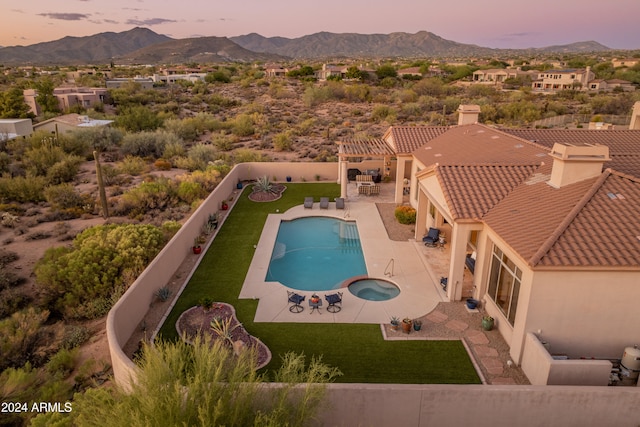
<point x="431" y="239"/>
<point x="295" y="300"/>
<point x="308" y="202"/>
<point x="332" y="300"/>
<point x="339" y="202"/>
<point x="324" y="203"/>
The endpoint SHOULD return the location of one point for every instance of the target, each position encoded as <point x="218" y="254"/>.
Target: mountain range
<point x="143" y="46"/>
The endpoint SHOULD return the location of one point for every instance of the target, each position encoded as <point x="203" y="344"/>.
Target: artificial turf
<point x="358" y="350"/>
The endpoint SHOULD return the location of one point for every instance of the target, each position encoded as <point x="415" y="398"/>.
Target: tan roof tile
<point x="472" y="190"/>
<point x="406" y="139"/>
<point x="624" y="144"/>
<point x="479" y="144"/>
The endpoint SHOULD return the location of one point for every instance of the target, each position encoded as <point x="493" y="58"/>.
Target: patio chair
<point x="295" y="300"/>
<point x="332" y="300"/>
<point x="324" y="203"/>
<point x="339" y="202"/>
<point x="308" y="202"/>
<point x="431" y="239"/>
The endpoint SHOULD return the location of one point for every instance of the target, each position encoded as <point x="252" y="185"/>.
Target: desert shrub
<point x="12" y="300"/>
<point x="282" y="142"/>
<point x="62" y="363"/>
<point x="22" y="189"/>
<point x="222" y="142"/>
<point x="9" y="279"/>
<point x="82" y="142"/>
<point x="83" y="281"/>
<point x="189" y="192"/>
<point x="405" y="215"/>
<point x="9" y="220"/>
<point x="64" y="170"/>
<point x="75" y="336"/>
<point x="383" y="113"/>
<point x="63" y="196"/>
<point x="170" y="228"/>
<point x="13" y="208"/>
<point x="208" y="179"/>
<point x="138" y="118"/>
<point x="19" y="336"/>
<point x="147" y="144"/>
<point x="38" y="160"/>
<point x="132" y="165"/>
<point x="245" y="155"/>
<point x="38" y="235"/>
<point x="200" y="155"/>
<point x="162" y="164"/>
<point x="156" y="194"/>
<point x="5" y="161"/>
<point x="173" y="149"/>
<point x="243" y="125"/>
<point x="110" y="174"/>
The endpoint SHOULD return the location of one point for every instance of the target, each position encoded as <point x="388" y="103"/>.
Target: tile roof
<point x="406" y="139"/>
<point x="605" y="230"/>
<point x="592" y="223"/>
<point x="479" y="144"/>
<point x="624" y="145"/>
<point x="472" y="190"/>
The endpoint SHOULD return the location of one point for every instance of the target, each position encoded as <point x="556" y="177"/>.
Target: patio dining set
<point x="334" y="302"/>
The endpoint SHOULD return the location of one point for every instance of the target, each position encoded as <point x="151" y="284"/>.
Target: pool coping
<point x="419" y="295"/>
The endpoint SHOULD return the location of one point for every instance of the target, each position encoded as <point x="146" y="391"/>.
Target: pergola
<point x="375" y="148"/>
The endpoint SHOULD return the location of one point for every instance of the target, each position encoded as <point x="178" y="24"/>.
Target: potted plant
<point x="406" y="325"/>
<point x="288" y="178"/>
<point x="417" y="324"/>
<point x="213" y="220"/>
<point x="487" y="323"/>
<point x="239" y="184"/>
<point x="196" y="245"/>
<point x="394" y="323"/>
<point x="206" y="303"/>
<point x="224" y="205"/>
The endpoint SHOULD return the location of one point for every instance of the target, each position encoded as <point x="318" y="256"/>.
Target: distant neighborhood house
<point x="68" y="97"/>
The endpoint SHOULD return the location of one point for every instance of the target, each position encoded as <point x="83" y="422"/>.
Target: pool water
<point x="316" y="254"/>
<point x="374" y="289"/>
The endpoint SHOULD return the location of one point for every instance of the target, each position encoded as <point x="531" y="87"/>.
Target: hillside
<point x="199" y="50"/>
<point x="82" y="50"/>
<point x="324" y="44"/>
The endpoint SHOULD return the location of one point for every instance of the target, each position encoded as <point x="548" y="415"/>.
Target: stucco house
<point x="550" y="218"/>
<point x="499" y="75"/>
<point x="68" y="123"/>
<point x="67" y="97"/>
<point x="556" y="80"/>
<point x="14" y="128"/>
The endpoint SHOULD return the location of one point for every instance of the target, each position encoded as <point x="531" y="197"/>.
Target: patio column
<point x="422" y="212"/>
<point x="458" y="241"/>
<point x="343" y="178"/>
<point x="400" y="168"/>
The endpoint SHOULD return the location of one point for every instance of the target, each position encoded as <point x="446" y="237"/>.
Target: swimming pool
<point x="316" y="254"/>
<point x="374" y="289"/>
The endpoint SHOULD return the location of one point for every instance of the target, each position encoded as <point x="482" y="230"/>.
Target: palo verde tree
<point x="203" y="384"/>
<point x="83" y="281"/>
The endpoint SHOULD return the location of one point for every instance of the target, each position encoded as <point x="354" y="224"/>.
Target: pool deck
<point x="419" y="295"/>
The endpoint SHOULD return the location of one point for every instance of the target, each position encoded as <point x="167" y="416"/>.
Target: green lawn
<point x="357" y="350"/>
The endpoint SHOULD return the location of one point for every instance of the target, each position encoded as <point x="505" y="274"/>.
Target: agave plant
<point x="263" y="184"/>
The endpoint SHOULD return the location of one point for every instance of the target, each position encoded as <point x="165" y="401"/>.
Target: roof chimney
<point x="573" y="163"/>
<point x="635" y="117"/>
<point x="468" y="114"/>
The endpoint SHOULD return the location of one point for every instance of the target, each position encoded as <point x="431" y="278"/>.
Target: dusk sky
<point x="497" y="23"/>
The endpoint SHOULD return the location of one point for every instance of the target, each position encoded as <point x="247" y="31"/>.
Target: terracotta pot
<point x="197" y="249"/>
<point x="406" y="327"/>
